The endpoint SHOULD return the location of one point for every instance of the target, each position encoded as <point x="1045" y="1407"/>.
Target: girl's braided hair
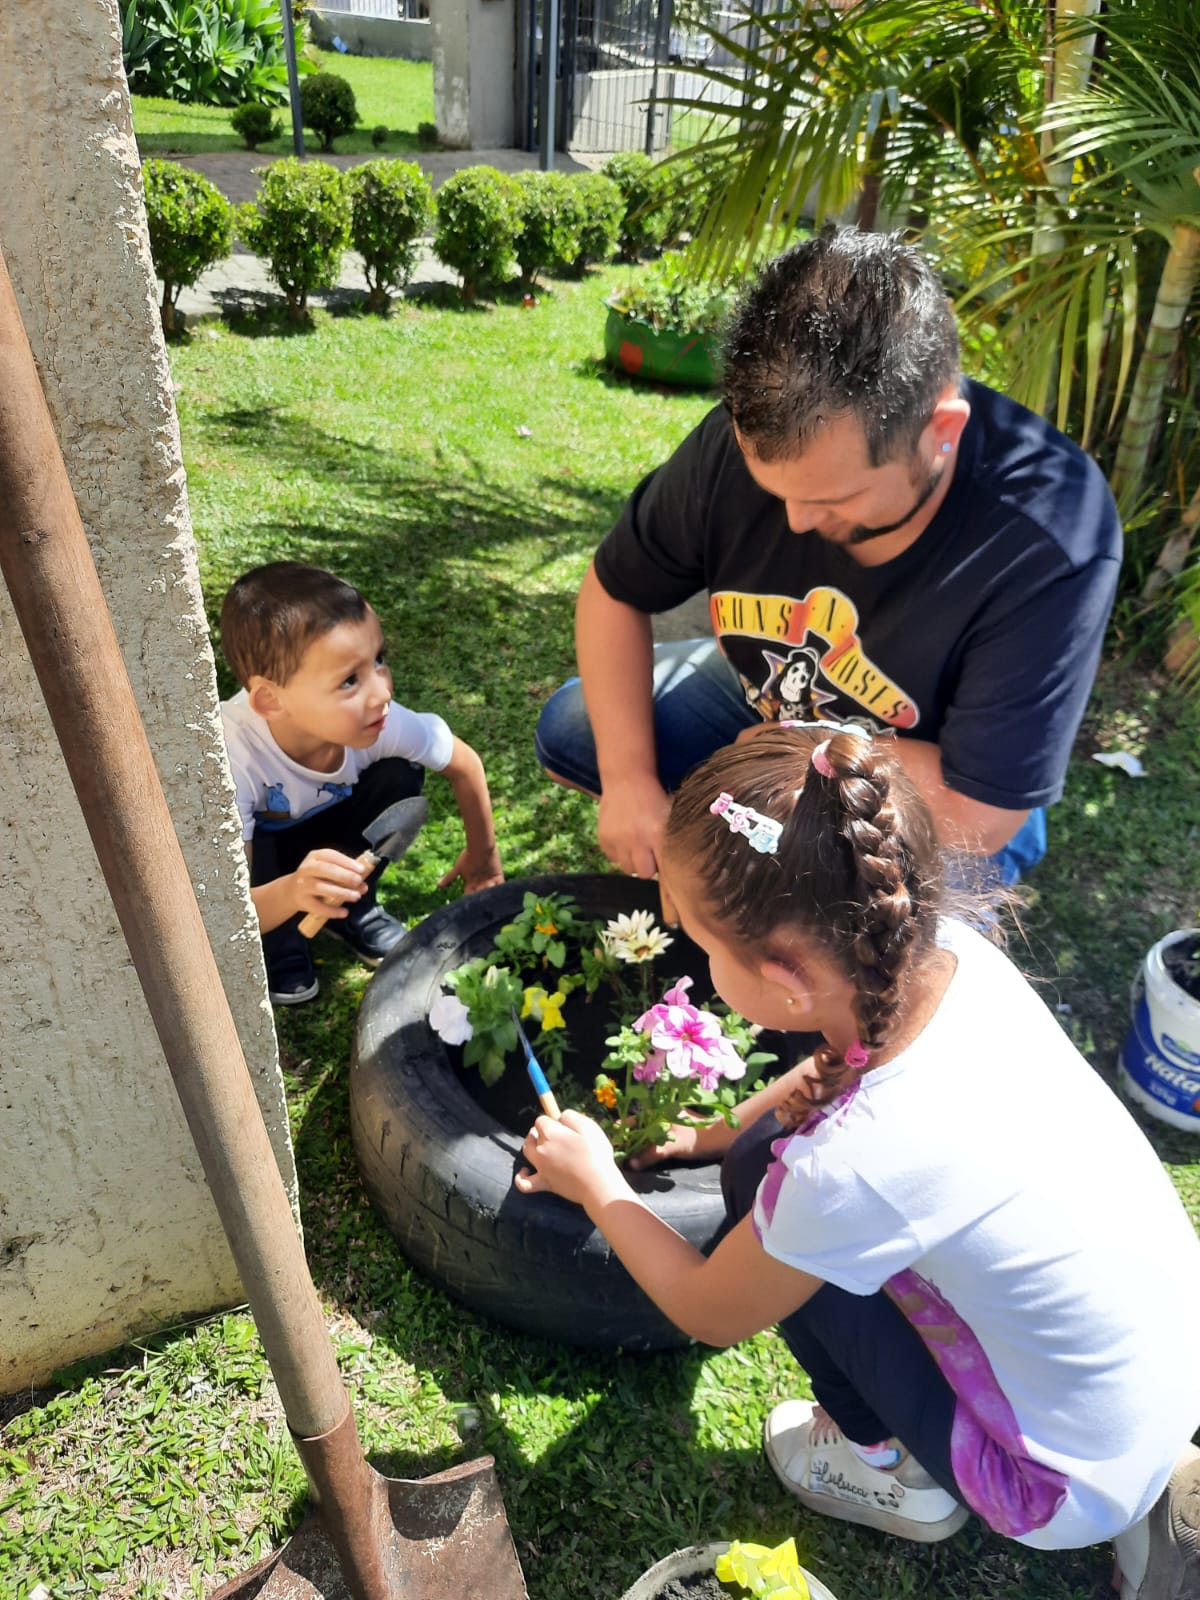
<point x="857" y="869"/>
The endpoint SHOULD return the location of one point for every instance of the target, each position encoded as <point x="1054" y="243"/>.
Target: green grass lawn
<point x="390" y="451"/>
<point x="393" y="94"/>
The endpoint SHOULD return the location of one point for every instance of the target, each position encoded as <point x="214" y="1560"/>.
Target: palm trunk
<point x="1173" y="556"/>
<point x="868" y="199"/>
<point x="1138" y="431"/>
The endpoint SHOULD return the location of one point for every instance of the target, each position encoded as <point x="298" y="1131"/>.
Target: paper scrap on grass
<point x="1121" y="759"/>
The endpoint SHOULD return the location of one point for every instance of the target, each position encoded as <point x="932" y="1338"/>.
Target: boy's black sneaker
<point x="370" y="932"/>
<point x="291" y="978"/>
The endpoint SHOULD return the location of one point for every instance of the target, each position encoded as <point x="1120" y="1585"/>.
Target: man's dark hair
<point x="272" y="614"/>
<point x="845" y="324"/>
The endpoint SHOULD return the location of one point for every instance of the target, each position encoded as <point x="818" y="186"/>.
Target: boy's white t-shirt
<point x="273" y="791"/>
<point x="994" y="1186"/>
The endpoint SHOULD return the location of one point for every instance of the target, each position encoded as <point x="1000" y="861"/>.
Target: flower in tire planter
<point x="696" y="1574"/>
<point x="437" y="1151"/>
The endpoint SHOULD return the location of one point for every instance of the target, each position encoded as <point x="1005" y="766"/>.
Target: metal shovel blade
<point x="439" y="1538"/>
<point x="395" y="829"/>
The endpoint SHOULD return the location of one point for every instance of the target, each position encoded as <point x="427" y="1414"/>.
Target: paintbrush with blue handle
<point x="536" y="1076"/>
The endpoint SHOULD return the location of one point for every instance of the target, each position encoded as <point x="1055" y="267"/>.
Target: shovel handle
<point x="312" y="924"/>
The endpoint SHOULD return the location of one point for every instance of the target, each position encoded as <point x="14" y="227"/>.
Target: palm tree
<point x="888" y="100"/>
<point x="1115" y="296"/>
<point x="1049" y="156"/>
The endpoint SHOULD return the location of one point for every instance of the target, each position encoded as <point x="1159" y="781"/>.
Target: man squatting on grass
<point x="883" y="542"/>
<point x="318" y="749"/>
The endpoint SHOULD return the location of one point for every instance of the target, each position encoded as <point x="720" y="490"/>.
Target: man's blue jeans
<point x="699" y="707"/>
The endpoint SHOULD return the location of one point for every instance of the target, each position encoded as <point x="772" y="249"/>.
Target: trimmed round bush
<point x="646" y="190"/>
<point x="390" y="202"/>
<point x="379" y="135"/>
<point x="191" y="228"/>
<point x="300" y="224"/>
<point x="255" y="123"/>
<point x="327" y="106"/>
<point x="552" y="217"/>
<point x="478" y="220"/>
<point x="603" y="212"/>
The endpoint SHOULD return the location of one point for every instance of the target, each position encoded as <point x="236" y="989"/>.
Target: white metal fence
<point x="388" y="10"/>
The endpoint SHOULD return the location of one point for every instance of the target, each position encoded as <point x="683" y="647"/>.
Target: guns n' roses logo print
<point x="796" y="657"/>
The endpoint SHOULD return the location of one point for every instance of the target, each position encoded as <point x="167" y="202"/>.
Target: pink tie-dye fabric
<point x="998" y="1477"/>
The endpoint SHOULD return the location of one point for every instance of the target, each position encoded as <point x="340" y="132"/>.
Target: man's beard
<point x="862" y="533"/>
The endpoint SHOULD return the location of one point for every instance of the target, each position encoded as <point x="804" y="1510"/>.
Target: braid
<point x="886" y="925"/>
<point x="883" y="930"/>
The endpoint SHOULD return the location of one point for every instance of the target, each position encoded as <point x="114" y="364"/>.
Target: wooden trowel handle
<point x="312" y="924"/>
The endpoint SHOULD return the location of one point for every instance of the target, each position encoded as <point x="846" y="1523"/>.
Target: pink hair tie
<point x="820" y="759"/>
<point x="856" y="1057"/>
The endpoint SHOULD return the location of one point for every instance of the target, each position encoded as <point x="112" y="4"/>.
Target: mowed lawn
<point x="460" y="468"/>
<point x="396" y="95"/>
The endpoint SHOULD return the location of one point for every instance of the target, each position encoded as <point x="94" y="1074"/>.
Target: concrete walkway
<point x="242" y="283"/>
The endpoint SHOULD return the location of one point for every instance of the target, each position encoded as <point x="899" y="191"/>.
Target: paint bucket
<point x="1160" y="1060"/>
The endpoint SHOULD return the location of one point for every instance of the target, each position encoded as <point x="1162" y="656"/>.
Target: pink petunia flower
<point x="689" y="1040"/>
<point x="650" y="1070"/>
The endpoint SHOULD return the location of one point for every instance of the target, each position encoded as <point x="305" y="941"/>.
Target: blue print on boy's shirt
<point x="276" y="811"/>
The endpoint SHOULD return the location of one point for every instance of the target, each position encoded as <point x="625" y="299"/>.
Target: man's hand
<point x="571" y="1157"/>
<point x="475" y="874"/>
<point x="631" y="822"/>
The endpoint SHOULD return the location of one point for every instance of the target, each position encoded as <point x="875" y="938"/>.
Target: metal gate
<point x="612" y="70"/>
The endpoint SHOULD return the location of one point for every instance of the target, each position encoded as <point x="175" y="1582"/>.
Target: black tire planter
<point x="438" y="1164"/>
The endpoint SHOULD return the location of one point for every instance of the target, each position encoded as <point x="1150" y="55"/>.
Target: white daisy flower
<point x="635" y="938"/>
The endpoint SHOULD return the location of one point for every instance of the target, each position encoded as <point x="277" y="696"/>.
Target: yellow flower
<point x="552" y="1016"/>
<point x="544" y="1008"/>
<point x="535" y="1000"/>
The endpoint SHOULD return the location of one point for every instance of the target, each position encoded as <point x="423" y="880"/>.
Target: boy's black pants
<point x="277" y="851"/>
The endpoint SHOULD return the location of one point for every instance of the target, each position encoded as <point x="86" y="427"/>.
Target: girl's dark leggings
<point x="868" y="1366"/>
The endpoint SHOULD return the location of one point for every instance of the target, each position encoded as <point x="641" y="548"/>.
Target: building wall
<point x="372" y="36"/>
<point x="107" y="1228"/>
<point x="474" y="63"/>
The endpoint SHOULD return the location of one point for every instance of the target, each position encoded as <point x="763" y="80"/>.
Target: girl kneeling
<point x="965" y="1239"/>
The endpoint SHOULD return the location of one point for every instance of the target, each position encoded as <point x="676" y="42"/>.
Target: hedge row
<point x="486" y="222"/>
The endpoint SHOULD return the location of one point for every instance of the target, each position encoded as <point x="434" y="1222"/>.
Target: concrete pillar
<point x="474" y="67"/>
<point x="107" y="1229"/>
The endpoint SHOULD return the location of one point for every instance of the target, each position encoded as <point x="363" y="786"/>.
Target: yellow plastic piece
<point x="764" y="1572"/>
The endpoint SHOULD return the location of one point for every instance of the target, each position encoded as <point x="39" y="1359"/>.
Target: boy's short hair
<point x="273" y="613"/>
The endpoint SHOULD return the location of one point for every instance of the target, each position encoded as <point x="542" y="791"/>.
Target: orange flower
<point x="606" y="1093"/>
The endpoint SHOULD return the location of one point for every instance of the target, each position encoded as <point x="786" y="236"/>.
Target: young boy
<point x="318" y="749"/>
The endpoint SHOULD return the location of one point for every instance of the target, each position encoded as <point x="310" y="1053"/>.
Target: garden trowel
<point x="388" y="837"/>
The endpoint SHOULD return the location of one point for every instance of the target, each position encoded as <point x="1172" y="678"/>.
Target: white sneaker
<point x="815" y="1461"/>
<point x="1160" y="1556"/>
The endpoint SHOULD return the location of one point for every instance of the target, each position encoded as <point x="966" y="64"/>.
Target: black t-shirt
<point x="983" y="636"/>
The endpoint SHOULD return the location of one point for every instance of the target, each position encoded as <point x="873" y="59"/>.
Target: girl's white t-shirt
<point x="992" y="1184"/>
<point x="273" y="791"/>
